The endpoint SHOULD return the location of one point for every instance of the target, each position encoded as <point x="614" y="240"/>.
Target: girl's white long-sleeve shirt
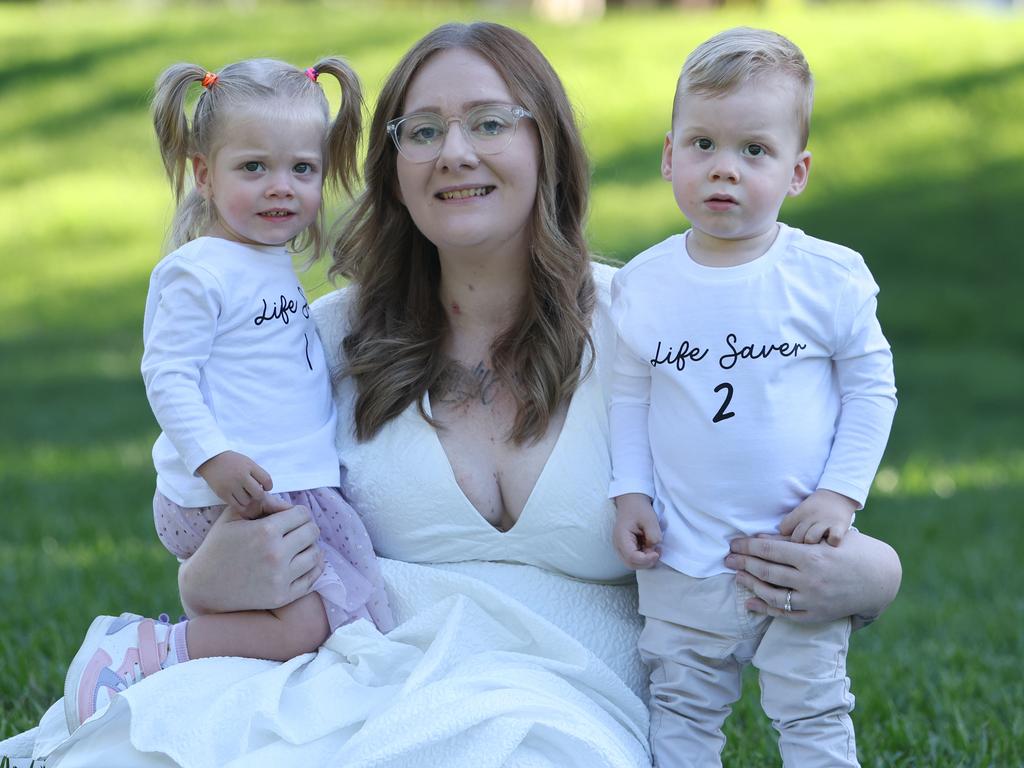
<point x="232" y="361"/>
<point x="738" y="391"/>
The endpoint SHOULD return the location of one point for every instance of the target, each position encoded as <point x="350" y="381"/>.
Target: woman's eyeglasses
<point x="488" y="128"/>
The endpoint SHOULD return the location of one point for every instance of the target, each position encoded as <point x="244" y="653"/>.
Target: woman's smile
<point x="464" y="192"/>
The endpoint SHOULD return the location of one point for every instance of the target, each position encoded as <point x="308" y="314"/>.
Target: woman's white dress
<point x="512" y="649"/>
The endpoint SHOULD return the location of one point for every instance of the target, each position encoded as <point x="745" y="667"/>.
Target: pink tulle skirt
<point x="351" y="586"/>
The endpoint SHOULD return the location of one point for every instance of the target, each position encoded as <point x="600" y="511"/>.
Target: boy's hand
<point x="824" y="515"/>
<point x="236" y="479"/>
<point x="637" y="533"/>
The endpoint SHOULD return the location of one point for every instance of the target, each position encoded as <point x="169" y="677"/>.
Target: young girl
<point x="234" y="369"/>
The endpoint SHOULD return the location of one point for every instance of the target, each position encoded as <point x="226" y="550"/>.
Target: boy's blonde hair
<point x="264" y="86"/>
<point x="742" y="54"/>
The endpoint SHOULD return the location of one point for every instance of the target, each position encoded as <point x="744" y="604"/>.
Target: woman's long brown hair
<point x="394" y="348"/>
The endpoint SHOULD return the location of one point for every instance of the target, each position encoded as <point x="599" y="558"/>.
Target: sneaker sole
<point x="96" y="631"/>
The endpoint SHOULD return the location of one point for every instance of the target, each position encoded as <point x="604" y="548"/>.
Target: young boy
<point x="753" y="394"/>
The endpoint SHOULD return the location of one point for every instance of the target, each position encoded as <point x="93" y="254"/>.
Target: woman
<point x="476" y="343"/>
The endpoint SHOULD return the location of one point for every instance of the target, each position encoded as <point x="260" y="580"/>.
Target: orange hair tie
<point x="209" y="79"/>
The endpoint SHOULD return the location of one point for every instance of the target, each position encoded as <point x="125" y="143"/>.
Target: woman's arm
<point x="859" y="578"/>
<point x="252" y="564"/>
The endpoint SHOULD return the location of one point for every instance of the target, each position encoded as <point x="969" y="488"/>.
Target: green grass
<point x="918" y="163"/>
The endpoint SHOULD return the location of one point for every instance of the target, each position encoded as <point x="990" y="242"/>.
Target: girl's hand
<point x="235" y="478"/>
<point x="859" y="578"/>
<point x="252" y="564"/>
<point x="257" y="508"/>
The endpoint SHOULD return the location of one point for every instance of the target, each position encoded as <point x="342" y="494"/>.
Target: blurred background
<point x="918" y="145"/>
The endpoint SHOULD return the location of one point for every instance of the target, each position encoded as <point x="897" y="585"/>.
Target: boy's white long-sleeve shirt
<point x="738" y="391"/>
<point x="232" y="361"/>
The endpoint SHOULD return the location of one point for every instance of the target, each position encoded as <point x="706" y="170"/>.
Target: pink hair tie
<point x="312" y="74"/>
<point x="209" y="79"/>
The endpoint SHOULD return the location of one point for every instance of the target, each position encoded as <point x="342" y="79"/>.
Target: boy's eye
<point x="704" y="144"/>
<point x="253" y="166"/>
<point x="303" y="168"/>
<point x="755" y="150"/>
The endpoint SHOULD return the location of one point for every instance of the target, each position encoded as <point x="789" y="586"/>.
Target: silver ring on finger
<point x="788" y="607"/>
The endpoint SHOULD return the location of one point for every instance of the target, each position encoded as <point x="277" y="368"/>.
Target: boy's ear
<point x="801" y="171"/>
<point x="666" y="158"/>
<point x="201" y="173"/>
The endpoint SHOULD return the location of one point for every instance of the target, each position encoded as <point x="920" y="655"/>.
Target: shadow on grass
<point x="34" y="66"/>
<point x="68" y="123"/>
<point x="974" y="84"/>
<point x="943" y="251"/>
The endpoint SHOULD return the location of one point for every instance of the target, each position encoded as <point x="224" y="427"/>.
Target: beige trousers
<point x="697" y="637"/>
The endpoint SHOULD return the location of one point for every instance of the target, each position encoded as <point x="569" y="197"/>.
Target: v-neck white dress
<point x="513" y="648"/>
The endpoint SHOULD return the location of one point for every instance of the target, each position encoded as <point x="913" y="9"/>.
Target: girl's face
<point x="464" y="201"/>
<point x="265" y="180"/>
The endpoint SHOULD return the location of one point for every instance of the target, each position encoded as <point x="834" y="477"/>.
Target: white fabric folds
<point x="471" y="677"/>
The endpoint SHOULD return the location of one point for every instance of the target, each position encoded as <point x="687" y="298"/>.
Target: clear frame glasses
<point x="489" y="128"/>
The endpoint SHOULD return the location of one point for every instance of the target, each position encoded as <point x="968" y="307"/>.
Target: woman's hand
<point x="859" y="578"/>
<point x="252" y="564"/>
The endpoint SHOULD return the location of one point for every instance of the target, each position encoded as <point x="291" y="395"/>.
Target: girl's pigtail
<point x="170" y="122"/>
<point x="344" y="131"/>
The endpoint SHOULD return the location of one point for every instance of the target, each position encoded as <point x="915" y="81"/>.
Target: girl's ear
<point x="201" y="172"/>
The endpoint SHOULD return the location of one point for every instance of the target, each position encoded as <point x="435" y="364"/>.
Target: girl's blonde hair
<point x="266" y="85"/>
<point x="394" y="350"/>
<point x="736" y="56"/>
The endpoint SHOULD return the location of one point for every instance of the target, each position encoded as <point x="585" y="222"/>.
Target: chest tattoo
<point x="459" y="385"/>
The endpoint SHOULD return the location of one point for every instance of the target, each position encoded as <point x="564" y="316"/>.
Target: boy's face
<point x="733" y="160"/>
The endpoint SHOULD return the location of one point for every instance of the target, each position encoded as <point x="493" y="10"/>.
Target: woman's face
<point x="465" y="202"/>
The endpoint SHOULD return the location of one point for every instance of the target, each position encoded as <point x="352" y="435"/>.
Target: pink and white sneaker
<point x="117" y="652"/>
